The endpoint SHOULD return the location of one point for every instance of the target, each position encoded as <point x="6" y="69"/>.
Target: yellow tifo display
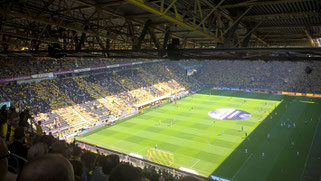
<point x="160" y="156"/>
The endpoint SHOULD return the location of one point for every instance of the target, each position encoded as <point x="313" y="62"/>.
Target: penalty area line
<point x="196" y="163"/>
<point x="142" y="149"/>
<point x="242" y="166"/>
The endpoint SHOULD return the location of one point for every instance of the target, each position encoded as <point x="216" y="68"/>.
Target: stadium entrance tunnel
<point x="229" y="114"/>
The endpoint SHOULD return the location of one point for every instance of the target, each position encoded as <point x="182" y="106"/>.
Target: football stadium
<point x="160" y="90"/>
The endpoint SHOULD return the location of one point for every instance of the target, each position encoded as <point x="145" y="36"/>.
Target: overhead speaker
<point x="308" y="70"/>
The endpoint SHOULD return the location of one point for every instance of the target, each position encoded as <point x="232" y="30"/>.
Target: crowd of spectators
<point x="61" y="106"/>
<point x="22" y="66"/>
<point x="67" y="105"/>
<point x="282" y="76"/>
<point x="27" y="156"/>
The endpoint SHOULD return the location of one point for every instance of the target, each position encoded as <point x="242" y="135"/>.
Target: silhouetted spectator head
<point x="89" y="161"/>
<point x="12" y="109"/>
<point x="48" y="140"/>
<point x="27" y="110"/>
<point x="188" y="178"/>
<point x="37" y="150"/>
<point x="4" y="153"/>
<point x="78" y="169"/>
<point x="76" y="152"/>
<point x="50" y="167"/>
<point x="60" y="147"/>
<point x="19" y="133"/>
<point x="125" y="172"/>
<point x="114" y="160"/>
<point x="3" y="108"/>
<point x="110" y="163"/>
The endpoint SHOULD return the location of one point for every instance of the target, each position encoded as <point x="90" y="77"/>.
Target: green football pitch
<point x="217" y="147"/>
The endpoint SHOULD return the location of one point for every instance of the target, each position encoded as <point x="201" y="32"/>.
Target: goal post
<point x="161" y="157"/>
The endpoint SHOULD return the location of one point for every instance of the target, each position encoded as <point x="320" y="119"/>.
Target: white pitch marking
<point x="195" y="163"/>
<point x="242" y="166"/>
<point x="307" y="158"/>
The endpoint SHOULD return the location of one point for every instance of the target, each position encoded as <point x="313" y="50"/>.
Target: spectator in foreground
<point x="102" y="170"/>
<point x="50" y="167"/>
<point x="3" y="120"/>
<point x="24" y="116"/>
<point x="60" y="147"/>
<point x="5" y="175"/>
<point x="78" y="169"/>
<point x="13" y="121"/>
<point x="126" y="172"/>
<point x="188" y="178"/>
<point x="4" y="154"/>
<point x="37" y="150"/>
<point x="89" y="161"/>
<point x="18" y="148"/>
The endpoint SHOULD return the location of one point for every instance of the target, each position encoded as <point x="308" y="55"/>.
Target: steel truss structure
<point x="145" y="28"/>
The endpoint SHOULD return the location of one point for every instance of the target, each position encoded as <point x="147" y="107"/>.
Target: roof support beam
<point x="192" y="28"/>
<point x="236" y="22"/>
<point x="232" y="19"/>
<point x="261" y="3"/>
<point x="248" y="35"/>
<point x="166" y="38"/>
<point x="310" y="38"/>
<point x="83" y="7"/>
<point x="142" y="35"/>
<point x="29" y="37"/>
<point x="301" y="25"/>
<point x="131" y="31"/>
<point x="154" y="38"/>
<point x="281" y="15"/>
<point x="210" y="13"/>
<point x="115" y="14"/>
<point x="47" y="20"/>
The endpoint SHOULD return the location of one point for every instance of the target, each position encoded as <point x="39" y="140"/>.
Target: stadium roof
<point x="135" y="25"/>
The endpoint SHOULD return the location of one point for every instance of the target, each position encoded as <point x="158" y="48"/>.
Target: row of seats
<point x="65" y="105"/>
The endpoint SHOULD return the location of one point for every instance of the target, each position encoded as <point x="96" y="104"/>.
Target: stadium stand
<point x="22" y="66"/>
<point x="283" y="76"/>
<point x="67" y="105"/>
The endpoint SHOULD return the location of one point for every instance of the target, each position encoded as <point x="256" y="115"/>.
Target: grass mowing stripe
<point x="196" y="141"/>
<point x="313" y="139"/>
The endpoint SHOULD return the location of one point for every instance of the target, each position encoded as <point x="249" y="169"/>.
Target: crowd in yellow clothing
<point x="68" y="104"/>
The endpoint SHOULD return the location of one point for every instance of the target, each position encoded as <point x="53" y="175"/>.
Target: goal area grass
<point x="230" y="134"/>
